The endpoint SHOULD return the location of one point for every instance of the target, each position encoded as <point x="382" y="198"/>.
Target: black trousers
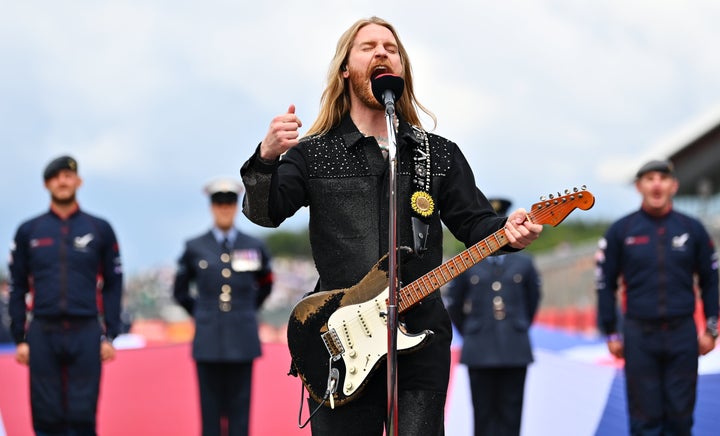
<point x="497" y="396"/>
<point x="420" y="413"/>
<point x="65" y="370"/>
<point x="661" y="365"/>
<point x="225" y="397"/>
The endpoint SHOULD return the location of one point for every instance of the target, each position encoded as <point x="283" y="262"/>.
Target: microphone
<point x="387" y="88"/>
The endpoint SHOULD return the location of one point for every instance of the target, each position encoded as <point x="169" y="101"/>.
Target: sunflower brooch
<point x="422" y="203"/>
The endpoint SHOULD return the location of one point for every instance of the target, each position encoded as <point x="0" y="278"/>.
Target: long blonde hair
<point x="335" y="100"/>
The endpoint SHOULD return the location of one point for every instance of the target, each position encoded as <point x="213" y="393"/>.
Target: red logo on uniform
<point x="637" y="240"/>
<point x="41" y="242"/>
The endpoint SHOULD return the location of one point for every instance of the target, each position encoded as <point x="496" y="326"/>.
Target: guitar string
<point x="537" y="215"/>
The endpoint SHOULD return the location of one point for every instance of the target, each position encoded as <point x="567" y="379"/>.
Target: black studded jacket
<point x="342" y="177"/>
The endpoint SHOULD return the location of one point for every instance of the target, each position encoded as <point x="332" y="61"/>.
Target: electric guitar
<point x="337" y="338"/>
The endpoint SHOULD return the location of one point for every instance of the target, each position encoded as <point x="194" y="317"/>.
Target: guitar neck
<point x="551" y="212"/>
<point x="433" y="280"/>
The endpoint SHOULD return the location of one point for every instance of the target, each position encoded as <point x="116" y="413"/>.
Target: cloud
<point x="156" y="97"/>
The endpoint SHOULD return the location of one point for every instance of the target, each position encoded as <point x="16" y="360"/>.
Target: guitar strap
<point x="421" y="201"/>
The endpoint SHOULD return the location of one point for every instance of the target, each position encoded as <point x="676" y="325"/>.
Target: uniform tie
<point x="496" y="260"/>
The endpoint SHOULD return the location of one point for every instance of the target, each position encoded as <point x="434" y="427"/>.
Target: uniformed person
<point x="492" y="305"/>
<point x="661" y="256"/>
<point x="65" y="258"/>
<point x="5" y="336"/>
<point x="232" y="277"/>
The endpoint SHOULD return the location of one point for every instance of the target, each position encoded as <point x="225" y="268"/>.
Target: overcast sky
<point x="154" y="98"/>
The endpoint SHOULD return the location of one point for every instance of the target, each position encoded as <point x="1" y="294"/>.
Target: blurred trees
<point x="284" y="243"/>
<point x="566" y="233"/>
<point x="148" y="294"/>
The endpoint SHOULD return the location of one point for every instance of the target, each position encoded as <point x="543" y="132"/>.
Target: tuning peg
<point x="543" y="198"/>
<point x="575" y="189"/>
<point x="584" y="187"/>
<point x="551" y="196"/>
<point x="567" y="191"/>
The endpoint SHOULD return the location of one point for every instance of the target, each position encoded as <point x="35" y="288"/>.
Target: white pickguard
<point x="362" y="329"/>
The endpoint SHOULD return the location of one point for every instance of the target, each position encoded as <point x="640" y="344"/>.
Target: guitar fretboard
<point x="425" y="285"/>
<point x="551" y="212"/>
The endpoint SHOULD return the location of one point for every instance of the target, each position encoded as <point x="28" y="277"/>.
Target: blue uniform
<point x="71" y="268"/>
<point x="4" y="315"/>
<point x="233" y="279"/>
<point x="492" y="305"/>
<point x="657" y="259"/>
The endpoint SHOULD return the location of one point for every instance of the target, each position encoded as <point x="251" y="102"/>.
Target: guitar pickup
<point x="333" y="344"/>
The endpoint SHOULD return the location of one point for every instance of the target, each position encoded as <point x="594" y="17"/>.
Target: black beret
<point x="663" y="166"/>
<point x="501" y="205"/>
<point x="58" y="164"/>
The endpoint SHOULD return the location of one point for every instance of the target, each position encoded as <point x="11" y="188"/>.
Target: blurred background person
<point x="492" y="305"/>
<point x="232" y="278"/>
<point x="5" y="337"/>
<point x="65" y="258"/>
<point x="659" y="254"/>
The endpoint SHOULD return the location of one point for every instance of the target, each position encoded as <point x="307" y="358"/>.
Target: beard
<point x="360" y="84"/>
<point x="65" y="200"/>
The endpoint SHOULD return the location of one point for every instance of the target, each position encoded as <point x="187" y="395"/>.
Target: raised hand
<point x="282" y="135"/>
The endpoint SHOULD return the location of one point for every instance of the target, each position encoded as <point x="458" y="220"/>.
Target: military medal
<point x="422" y="203"/>
<point x="246" y="260"/>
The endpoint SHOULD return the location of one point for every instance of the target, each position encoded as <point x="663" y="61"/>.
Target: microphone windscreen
<point x="385" y="82"/>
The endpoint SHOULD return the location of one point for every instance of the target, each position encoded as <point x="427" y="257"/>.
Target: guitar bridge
<point x="333" y="344"/>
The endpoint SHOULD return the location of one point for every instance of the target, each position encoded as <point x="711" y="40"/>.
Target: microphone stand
<point x="394" y="282"/>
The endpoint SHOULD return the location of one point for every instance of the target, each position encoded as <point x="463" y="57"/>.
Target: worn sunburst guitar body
<point x="337" y="338"/>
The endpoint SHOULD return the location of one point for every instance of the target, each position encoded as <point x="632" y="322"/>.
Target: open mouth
<point x="380" y="69"/>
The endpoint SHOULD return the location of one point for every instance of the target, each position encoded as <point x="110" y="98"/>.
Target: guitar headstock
<point x="555" y="209"/>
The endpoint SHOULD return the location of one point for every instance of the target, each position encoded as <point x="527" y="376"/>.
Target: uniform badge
<point x="422" y="203"/>
<point x="246" y="260"/>
<point x="678" y="242"/>
<point x="81" y="242"/>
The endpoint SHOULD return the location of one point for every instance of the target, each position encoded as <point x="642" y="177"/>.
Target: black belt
<point x="662" y="323"/>
<point x="66" y="322"/>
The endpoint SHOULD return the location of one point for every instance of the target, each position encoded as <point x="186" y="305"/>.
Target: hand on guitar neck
<point x="520" y="230"/>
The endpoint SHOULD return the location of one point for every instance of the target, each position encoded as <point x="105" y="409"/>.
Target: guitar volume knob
<point x="352" y="370"/>
<point x="352" y="353"/>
